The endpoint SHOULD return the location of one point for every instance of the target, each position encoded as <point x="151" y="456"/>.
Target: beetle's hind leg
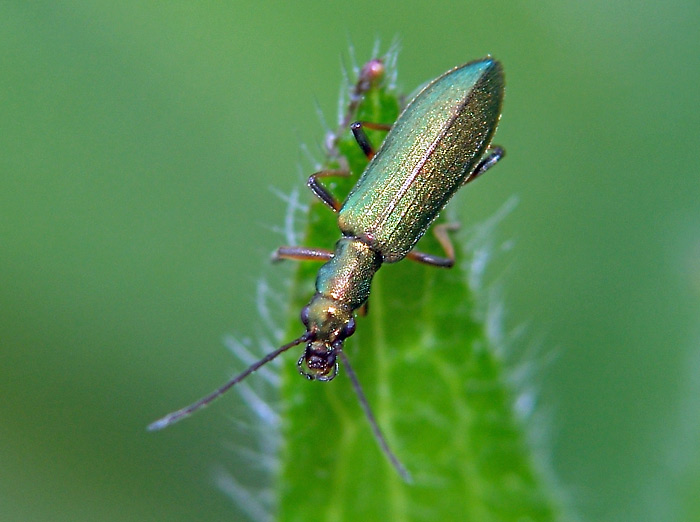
<point x="322" y="192"/>
<point x="494" y="154"/>
<point x="361" y="138"/>
<point x="358" y="131"/>
<point x="300" y="253"/>
<point x="441" y="234"/>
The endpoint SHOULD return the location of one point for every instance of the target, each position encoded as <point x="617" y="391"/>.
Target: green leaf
<point x="433" y="379"/>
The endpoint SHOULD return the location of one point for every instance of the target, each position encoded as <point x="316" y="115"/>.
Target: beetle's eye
<point x="305" y="316"/>
<point x="348" y="329"/>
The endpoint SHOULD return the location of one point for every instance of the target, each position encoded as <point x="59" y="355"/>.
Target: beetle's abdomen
<point x="435" y="144"/>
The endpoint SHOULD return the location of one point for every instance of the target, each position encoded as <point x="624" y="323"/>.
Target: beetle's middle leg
<point x="441" y="234"/>
<point x="300" y="253"/>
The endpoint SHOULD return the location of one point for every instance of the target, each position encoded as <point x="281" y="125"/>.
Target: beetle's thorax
<point x="346" y="278"/>
<point x="342" y="286"/>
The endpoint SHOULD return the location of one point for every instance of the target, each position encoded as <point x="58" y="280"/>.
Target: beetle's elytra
<point x="440" y="142"/>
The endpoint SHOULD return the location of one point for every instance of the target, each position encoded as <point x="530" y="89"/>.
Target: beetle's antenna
<point x="178" y="415"/>
<point x="376" y="431"/>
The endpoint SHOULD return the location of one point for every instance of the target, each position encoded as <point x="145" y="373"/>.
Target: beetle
<point x="440" y="142"/>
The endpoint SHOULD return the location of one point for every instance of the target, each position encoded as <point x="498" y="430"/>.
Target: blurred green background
<point x="139" y="142"/>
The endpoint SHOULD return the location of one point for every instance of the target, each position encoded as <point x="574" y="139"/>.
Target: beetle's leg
<point x="361" y="136"/>
<point x="322" y="192"/>
<point x="443" y="238"/>
<point x="495" y="154"/>
<point x="300" y="253"/>
<point x="364" y="309"/>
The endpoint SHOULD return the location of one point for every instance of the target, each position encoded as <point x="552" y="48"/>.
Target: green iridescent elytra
<point x="434" y="145"/>
<point x="440" y="142"/>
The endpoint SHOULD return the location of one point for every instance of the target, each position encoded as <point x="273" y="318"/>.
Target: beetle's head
<point x="327" y="325"/>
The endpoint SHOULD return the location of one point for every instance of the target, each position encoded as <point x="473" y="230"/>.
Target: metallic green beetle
<point x="440" y="142"/>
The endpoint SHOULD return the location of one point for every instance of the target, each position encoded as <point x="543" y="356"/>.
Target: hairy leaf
<point x="433" y="379"/>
